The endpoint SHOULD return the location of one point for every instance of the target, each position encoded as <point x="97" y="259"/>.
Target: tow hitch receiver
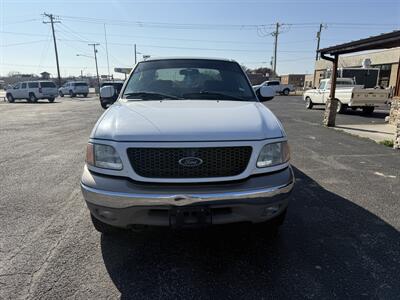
<point x="187" y="217"/>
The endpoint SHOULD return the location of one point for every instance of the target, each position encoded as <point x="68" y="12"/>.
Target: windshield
<point x="116" y="85"/>
<point x="189" y="79"/>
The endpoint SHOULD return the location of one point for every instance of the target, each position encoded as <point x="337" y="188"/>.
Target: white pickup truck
<point x="349" y="95"/>
<point x="277" y="86"/>
<point x="187" y="143"/>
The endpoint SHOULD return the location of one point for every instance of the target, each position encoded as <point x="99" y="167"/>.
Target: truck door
<point x="274" y="85"/>
<point x="325" y="91"/>
<point x="319" y="93"/>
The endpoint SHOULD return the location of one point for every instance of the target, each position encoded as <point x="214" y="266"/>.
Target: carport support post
<point x="331" y="103"/>
<point x="395" y="110"/>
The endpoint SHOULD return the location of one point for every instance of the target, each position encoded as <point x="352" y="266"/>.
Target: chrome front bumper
<point x="121" y="202"/>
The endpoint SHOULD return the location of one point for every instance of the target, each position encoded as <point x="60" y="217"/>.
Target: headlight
<point x="103" y="156"/>
<point x="273" y="154"/>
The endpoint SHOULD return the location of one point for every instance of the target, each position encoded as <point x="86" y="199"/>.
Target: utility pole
<point x="95" y="59"/>
<point x="134" y="48"/>
<point x="275" y="34"/>
<point x="321" y="26"/>
<point x="108" y="62"/>
<point x="51" y="17"/>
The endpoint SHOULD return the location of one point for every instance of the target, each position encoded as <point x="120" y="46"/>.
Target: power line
<point x="105" y="38"/>
<point x="214" y="26"/>
<point x="45" y="50"/>
<point x="23" y="43"/>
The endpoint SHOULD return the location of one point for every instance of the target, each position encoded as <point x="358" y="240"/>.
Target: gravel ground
<point x="340" y="239"/>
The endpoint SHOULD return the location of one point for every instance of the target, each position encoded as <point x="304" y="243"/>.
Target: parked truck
<point x="277" y="86"/>
<point x="348" y="94"/>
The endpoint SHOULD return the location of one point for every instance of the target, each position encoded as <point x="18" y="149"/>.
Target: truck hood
<point x="187" y="120"/>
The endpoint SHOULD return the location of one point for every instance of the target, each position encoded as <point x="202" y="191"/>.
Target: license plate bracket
<point x="187" y="217"/>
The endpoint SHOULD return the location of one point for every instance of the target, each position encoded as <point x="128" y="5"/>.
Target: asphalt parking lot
<point x="340" y="240"/>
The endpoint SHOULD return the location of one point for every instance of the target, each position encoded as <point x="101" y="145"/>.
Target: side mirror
<point x="266" y="93"/>
<point x="107" y="91"/>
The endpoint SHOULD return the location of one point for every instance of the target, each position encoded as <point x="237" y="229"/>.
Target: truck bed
<point x="357" y="96"/>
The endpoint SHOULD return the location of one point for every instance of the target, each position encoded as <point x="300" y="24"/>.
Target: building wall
<point x="285" y="79"/>
<point x="257" y="78"/>
<point x="296" y="79"/>
<point x="308" y="81"/>
<point x="393" y="74"/>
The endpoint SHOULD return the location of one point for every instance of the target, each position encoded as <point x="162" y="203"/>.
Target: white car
<point x="187" y="143"/>
<point x="73" y="88"/>
<point x="32" y="91"/>
<point x="277" y="86"/>
<point x="349" y="95"/>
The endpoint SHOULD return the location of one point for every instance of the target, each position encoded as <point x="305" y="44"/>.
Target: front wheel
<point x="286" y="92"/>
<point x="368" y="110"/>
<point x="309" y="104"/>
<point x="104" y="105"/>
<point x="85" y="95"/>
<point x="32" y="98"/>
<point x="51" y="100"/>
<point x="341" y="108"/>
<point x="10" y="98"/>
<point x="61" y="94"/>
<point x="105" y="228"/>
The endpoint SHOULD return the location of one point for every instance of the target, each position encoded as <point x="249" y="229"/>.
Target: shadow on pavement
<point x="328" y="248"/>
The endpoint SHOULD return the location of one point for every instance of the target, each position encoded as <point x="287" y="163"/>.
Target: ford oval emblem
<point x="190" y="161"/>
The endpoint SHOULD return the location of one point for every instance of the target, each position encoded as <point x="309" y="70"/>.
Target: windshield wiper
<point x="219" y="96"/>
<point x="149" y="95"/>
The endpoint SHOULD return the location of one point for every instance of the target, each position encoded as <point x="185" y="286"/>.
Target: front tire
<point x="51" y="100"/>
<point x="10" y="98"/>
<point x="286" y="92"/>
<point x="32" y="98"/>
<point x="368" y="110"/>
<point x="85" y="95"/>
<point x="309" y="104"/>
<point x="104" y="105"/>
<point x="341" y="108"/>
<point x="105" y="228"/>
<point x="61" y="94"/>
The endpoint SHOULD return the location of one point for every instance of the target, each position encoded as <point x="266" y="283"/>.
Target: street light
<point x="84" y="55"/>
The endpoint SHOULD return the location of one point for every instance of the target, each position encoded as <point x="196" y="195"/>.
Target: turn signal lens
<point x="89" y="154"/>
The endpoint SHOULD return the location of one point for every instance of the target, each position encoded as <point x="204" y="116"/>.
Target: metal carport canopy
<point x="382" y="41"/>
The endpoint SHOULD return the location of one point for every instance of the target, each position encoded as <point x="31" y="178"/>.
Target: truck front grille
<point x="189" y="162"/>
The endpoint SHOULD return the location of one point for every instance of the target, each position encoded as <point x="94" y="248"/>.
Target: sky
<point x="234" y="29"/>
